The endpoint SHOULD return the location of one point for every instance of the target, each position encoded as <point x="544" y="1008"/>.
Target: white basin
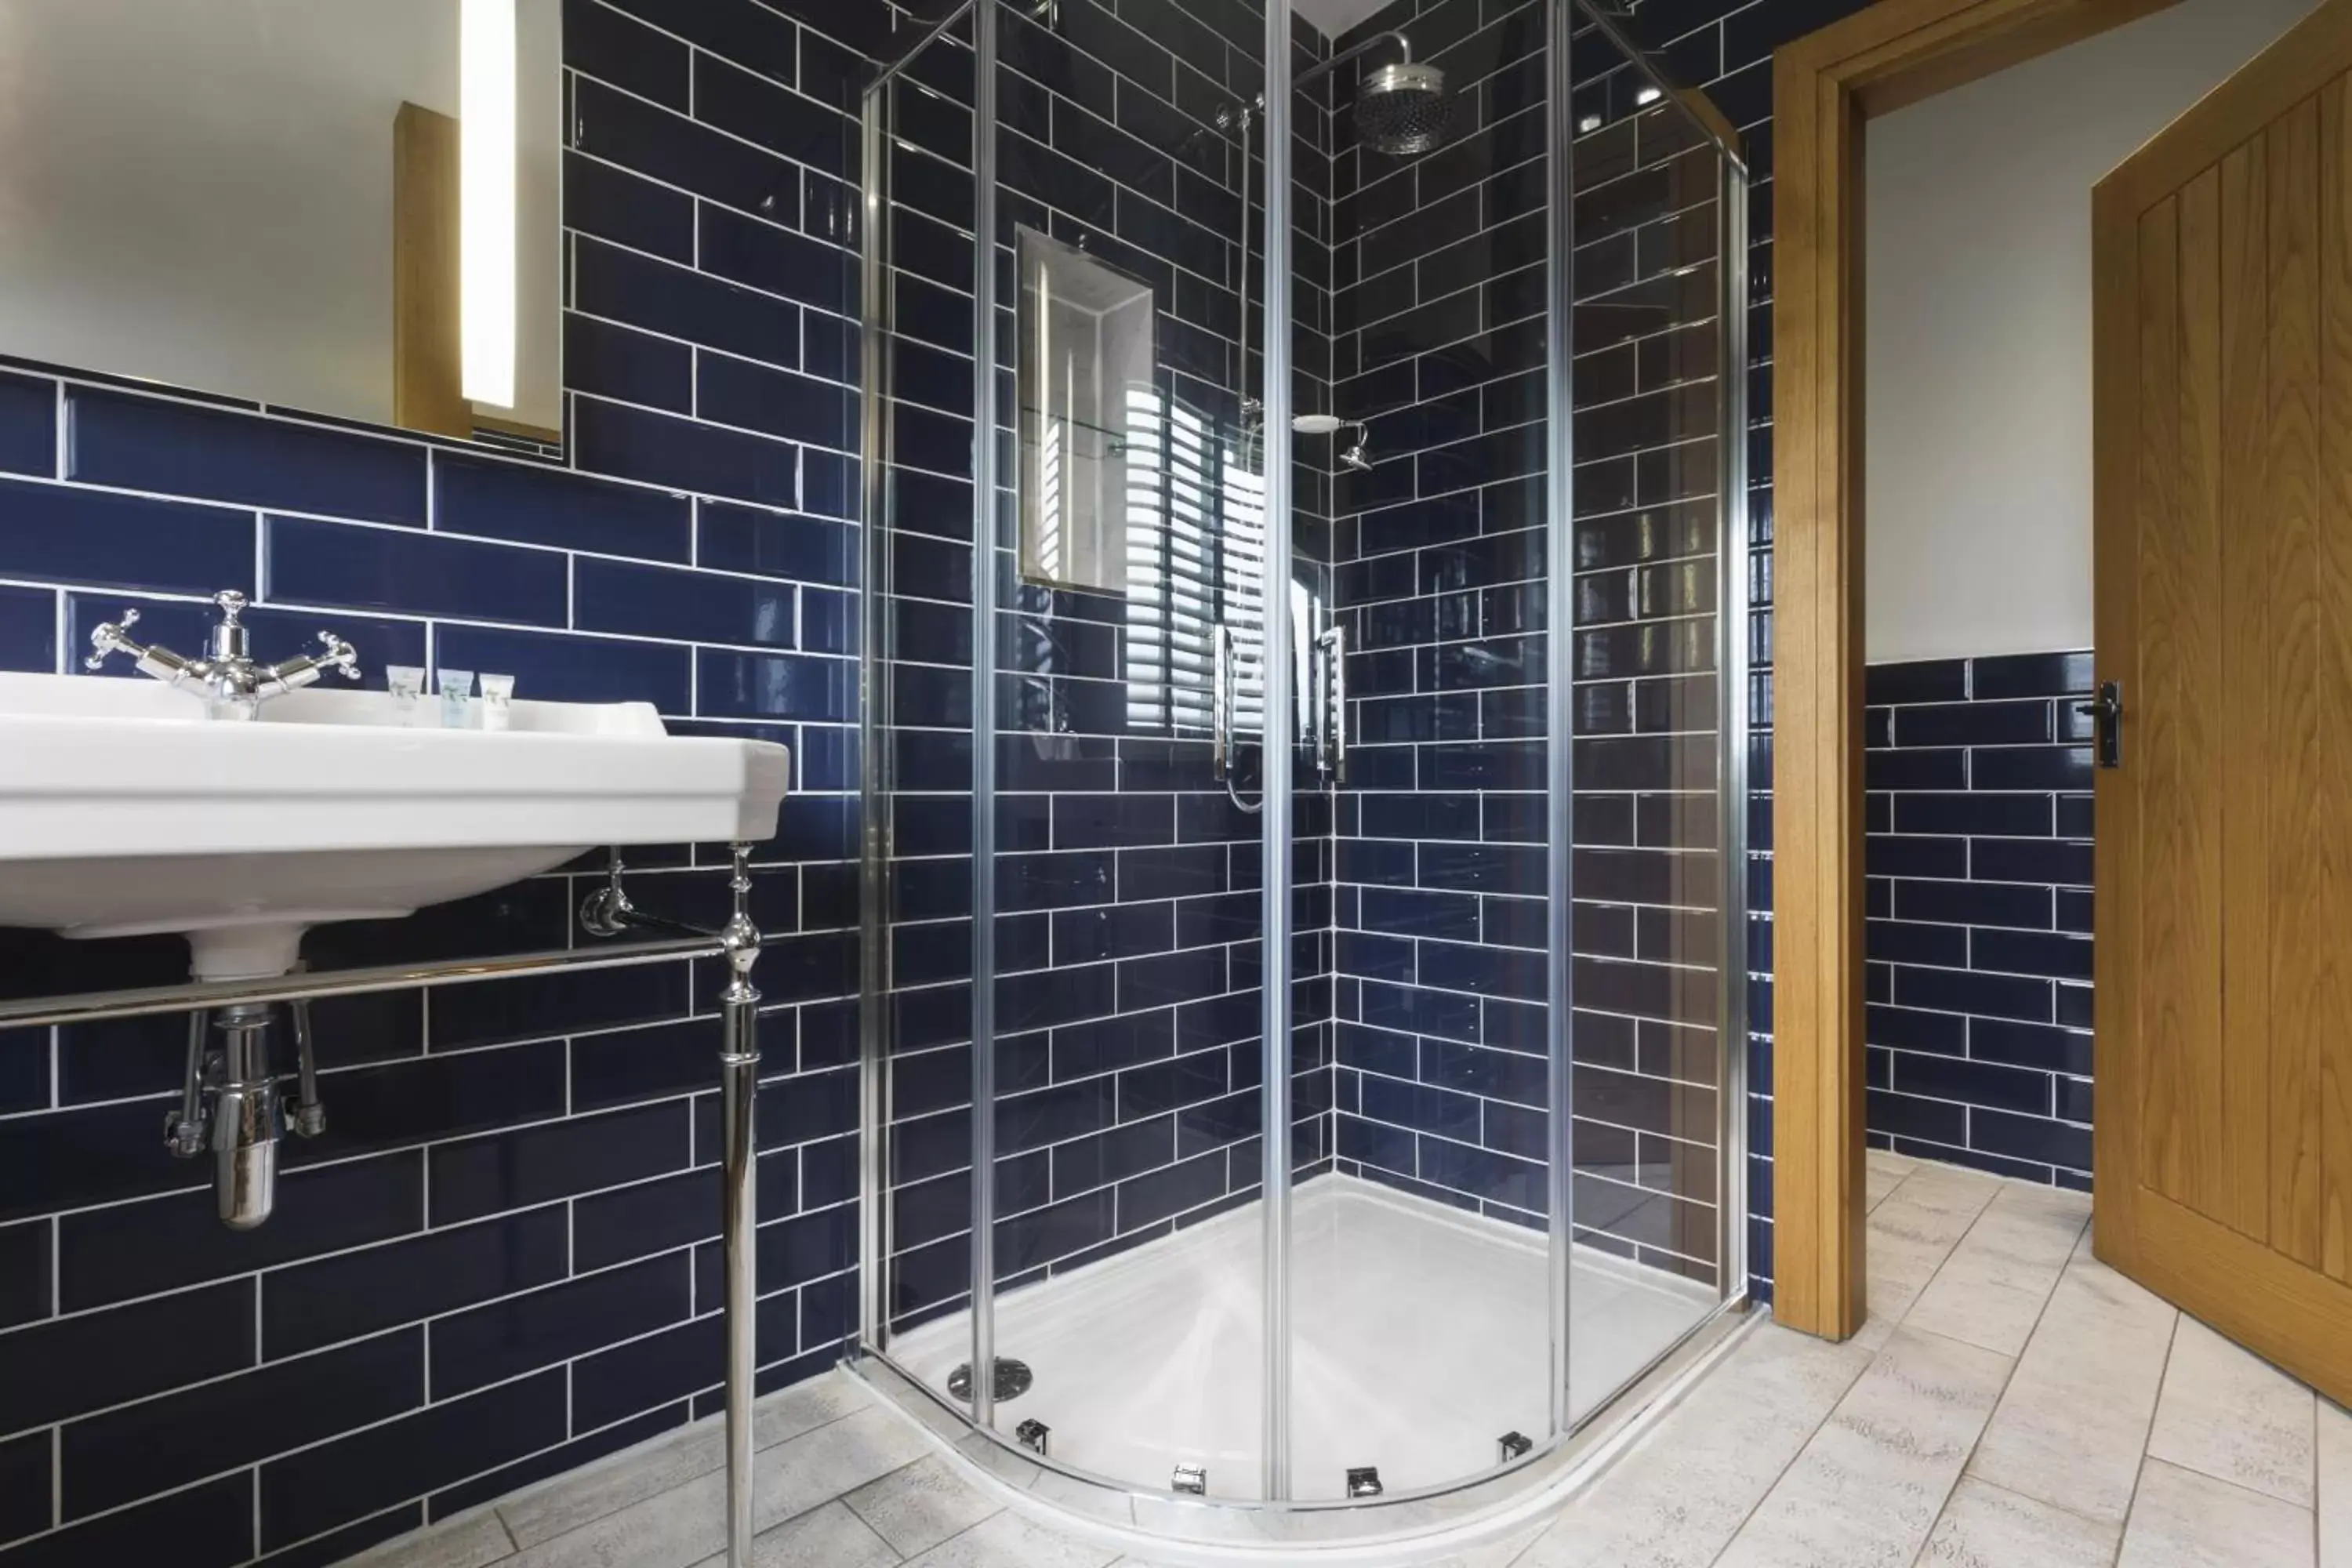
<point x="124" y="811"/>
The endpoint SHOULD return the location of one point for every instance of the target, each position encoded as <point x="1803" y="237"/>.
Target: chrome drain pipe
<point x="247" y="1121"/>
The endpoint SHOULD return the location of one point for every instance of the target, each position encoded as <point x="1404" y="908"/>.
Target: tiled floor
<point x="2011" y="1403"/>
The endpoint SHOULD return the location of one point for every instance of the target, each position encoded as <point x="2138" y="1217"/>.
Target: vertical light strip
<point x="983" y="715"/>
<point x="486" y="181"/>
<point x="1559" y="599"/>
<point x="1276" y="729"/>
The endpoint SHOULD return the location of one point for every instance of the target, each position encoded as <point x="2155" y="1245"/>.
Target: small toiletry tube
<point x="498" y="701"/>
<point x="457" y="698"/>
<point x="406" y="684"/>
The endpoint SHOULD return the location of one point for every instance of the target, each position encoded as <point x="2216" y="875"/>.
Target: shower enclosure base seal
<point x="1405" y="1526"/>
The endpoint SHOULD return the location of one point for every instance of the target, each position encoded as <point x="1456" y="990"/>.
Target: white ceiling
<point x="1335" y="17"/>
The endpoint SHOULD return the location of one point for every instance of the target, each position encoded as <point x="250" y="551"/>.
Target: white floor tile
<point x="1898" y="1440"/>
<point x="575" y="1498"/>
<point x="1987" y="1526"/>
<point x="1910" y="1235"/>
<point x="2071" y="1428"/>
<point x="476" y="1540"/>
<point x="1008" y="1541"/>
<point x="1679" y="1496"/>
<point x="2232" y="1416"/>
<point x="1991" y="1290"/>
<point x="828" y="1537"/>
<point x="2182" y="1518"/>
<point x="916" y="1508"/>
<point x="2334" y="1499"/>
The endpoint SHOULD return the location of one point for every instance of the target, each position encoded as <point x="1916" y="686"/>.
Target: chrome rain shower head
<point x="1403" y="108"/>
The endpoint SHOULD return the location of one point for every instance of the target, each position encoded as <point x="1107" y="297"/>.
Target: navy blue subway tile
<point x="606" y="202"/>
<point x="683" y="606"/>
<point x="2052" y="953"/>
<point x="2031" y="768"/>
<point x="115" y="1253"/>
<point x="2046" y="1142"/>
<point x="24" y="1272"/>
<point x="418" y="573"/>
<point x="666" y="146"/>
<point x="563" y="667"/>
<point x="26" y="1472"/>
<point x="2025" y="999"/>
<point x="317" y="1489"/>
<point x="741" y="31"/>
<point x="2006" y="815"/>
<point x="621" y="362"/>
<point x="557" y="1160"/>
<point x="775" y="686"/>
<point x="28" y="425"/>
<point x="52" y="534"/>
<point x="176" y="449"/>
<point x="779" y="261"/>
<point x="52" y="1371"/>
<point x="776" y="402"/>
<point x="1975" y="723"/>
<point x="206" y="1526"/>
<point x="679" y="303"/>
<point x="140" y="1449"/>
<point x="28" y="629"/>
<point x="2031" y="674"/>
<point x="505" y="1338"/>
<point x="758" y="110"/>
<point x="1922" y="680"/>
<point x="601" y="42"/>
<point x="533" y="504"/>
<point x="680" y="454"/>
<point x="364" y="1291"/>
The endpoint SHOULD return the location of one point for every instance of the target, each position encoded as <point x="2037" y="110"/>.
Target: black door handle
<point x="2107" y="709"/>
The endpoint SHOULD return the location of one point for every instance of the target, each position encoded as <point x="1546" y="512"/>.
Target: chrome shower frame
<point x="1576" y="1437"/>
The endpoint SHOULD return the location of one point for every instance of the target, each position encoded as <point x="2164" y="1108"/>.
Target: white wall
<point x="1977" y="421"/>
<point x="200" y="191"/>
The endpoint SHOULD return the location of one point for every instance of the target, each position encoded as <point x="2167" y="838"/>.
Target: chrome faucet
<point x="232" y="684"/>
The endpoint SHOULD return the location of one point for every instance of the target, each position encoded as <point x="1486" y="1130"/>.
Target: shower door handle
<point x="1334" y="728"/>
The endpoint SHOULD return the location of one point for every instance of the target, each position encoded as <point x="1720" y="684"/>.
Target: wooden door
<point x="2223" y="1137"/>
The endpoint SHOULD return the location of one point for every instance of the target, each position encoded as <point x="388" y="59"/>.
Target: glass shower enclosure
<point x="1306" y="634"/>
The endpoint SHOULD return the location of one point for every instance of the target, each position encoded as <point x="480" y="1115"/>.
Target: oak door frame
<point x="1827" y="87"/>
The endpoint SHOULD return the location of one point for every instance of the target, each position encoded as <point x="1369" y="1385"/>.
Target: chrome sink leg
<point x="247" y="1121"/>
<point x="738" y="1067"/>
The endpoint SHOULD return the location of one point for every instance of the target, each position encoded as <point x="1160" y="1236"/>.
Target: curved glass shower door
<point x="1344" y="826"/>
<point x="1119" y="906"/>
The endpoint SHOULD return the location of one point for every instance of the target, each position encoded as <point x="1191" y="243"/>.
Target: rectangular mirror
<point x="1088" y="350"/>
<point x="262" y="198"/>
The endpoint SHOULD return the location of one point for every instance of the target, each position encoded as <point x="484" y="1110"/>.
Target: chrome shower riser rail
<point x="738" y="942"/>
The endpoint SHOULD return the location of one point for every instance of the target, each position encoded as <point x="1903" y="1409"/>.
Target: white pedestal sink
<point x="124" y="811"/>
